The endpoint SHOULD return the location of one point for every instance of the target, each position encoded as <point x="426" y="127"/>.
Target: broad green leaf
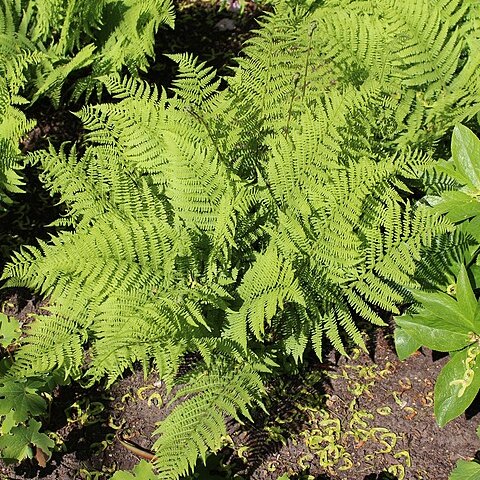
<point x="448" y="167"/>
<point x="465" y="471"/>
<point x="434" y="332"/>
<point x="475" y="272"/>
<point x="20" y="400"/>
<point x="443" y="306"/>
<point x="472" y="227"/>
<point x="9" y="330"/>
<point x="465" y="296"/>
<point x="16" y="444"/>
<point x="476" y="319"/>
<point x="405" y="344"/>
<point x="466" y="155"/>
<point x="451" y="398"/>
<point x="458" y="206"/>
<point x="142" y="471"/>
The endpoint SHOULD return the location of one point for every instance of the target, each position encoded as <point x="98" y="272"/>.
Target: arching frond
<point x="197" y="424"/>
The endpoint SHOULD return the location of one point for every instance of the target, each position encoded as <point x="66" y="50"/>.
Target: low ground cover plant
<point x="246" y="224"/>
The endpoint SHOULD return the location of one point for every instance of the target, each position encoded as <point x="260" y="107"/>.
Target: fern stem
<point x="212" y="139"/>
<point x="296" y="78"/>
<point x="313" y="26"/>
<point x="62" y="46"/>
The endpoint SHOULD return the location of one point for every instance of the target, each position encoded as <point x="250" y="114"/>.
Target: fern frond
<point x="138" y="327"/>
<point x="13" y="125"/>
<point x="61" y="337"/>
<point x="53" y="80"/>
<point x="194" y="83"/>
<point x="265" y="289"/>
<point x="418" y="53"/>
<point x="197" y="424"/>
<point x="62" y="36"/>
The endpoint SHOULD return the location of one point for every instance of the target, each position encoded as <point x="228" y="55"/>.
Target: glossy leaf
<point x="434" y="333"/>
<point x="465" y="296"/>
<point x="443" y="306"/>
<point x="472" y="227"/>
<point x="448" y="403"/>
<point x="449" y="168"/>
<point x="458" y="206"/>
<point x="466" y="155"/>
<point x="465" y="471"/>
<point x="474" y="271"/>
<point x="405" y="344"/>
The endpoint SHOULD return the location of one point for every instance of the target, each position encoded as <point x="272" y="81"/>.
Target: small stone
<point x="225" y="24"/>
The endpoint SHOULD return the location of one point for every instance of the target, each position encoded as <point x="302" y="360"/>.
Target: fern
<point x="13" y="125"/>
<point x="43" y="42"/>
<point x="249" y="223"/>
<point x="197" y="425"/>
<point x="266" y="286"/>
<point x="144" y="249"/>
<point x="369" y="43"/>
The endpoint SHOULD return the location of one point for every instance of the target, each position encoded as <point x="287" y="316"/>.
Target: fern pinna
<point x="246" y="223"/>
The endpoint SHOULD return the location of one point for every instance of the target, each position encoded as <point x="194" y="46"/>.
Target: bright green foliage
<point x="246" y="224"/>
<point x="21" y="400"/>
<point x="13" y="125"/>
<point x="142" y="471"/>
<point x="422" y="57"/>
<point x="16" y="445"/>
<point x="462" y="203"/>
<point x="9" y="330"/>
<point x="450" y="321"/>
<point x="465" y="471"/>
<point x="163" y="225"/>
<point x="43" y="41"/>
<point x="197" y="425"/>
<point x="447" y="325"/>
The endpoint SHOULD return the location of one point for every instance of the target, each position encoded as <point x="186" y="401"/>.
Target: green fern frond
<point x="265" y="289"/>
<point x="13" y="125"/>
<point x="197" y="424"/>
<point x="59" y="37"/>
<point x="63" y="339"/>
<point x="419" y="54"/>
<point x="53" y="80"/>
<point x="194" y="83"/>
<point x="441" y="261"/>
<point x="196" y="183"/>
<point x="81" y="272"/>
<point x="245" y="223"/>
<point x="154" y="324"/>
